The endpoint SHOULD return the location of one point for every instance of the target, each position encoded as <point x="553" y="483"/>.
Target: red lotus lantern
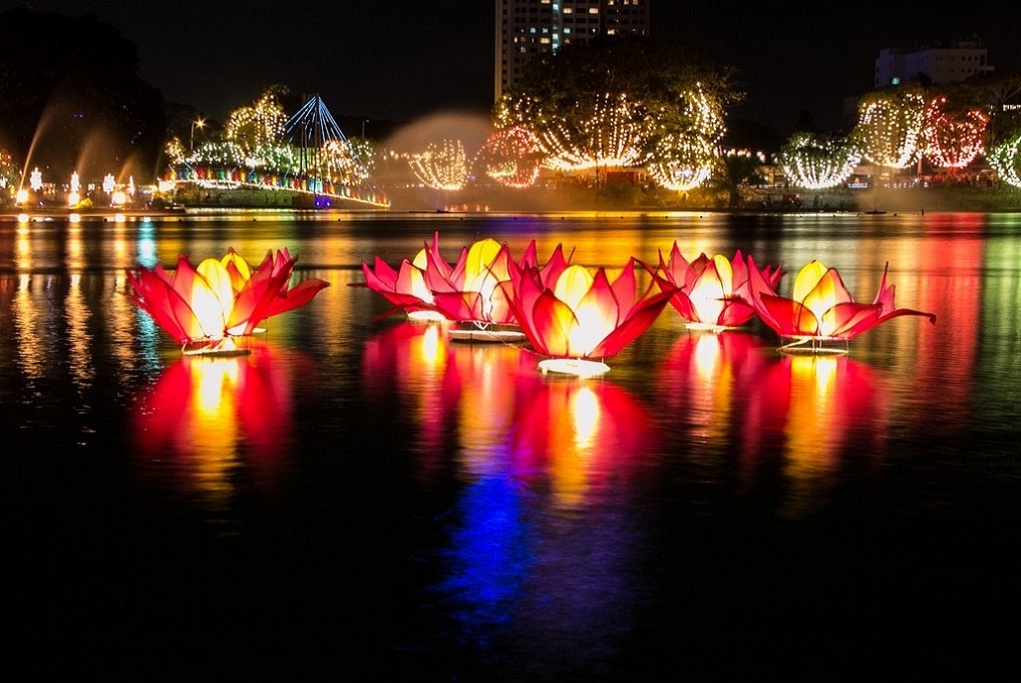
<point x="205" y="309"/>
<point x="405" y="287"/>
<point x="713" y="293"/>
<point x="581" y="316"/>
<point x="821" y="309"/>
<point x="471" y="291"/>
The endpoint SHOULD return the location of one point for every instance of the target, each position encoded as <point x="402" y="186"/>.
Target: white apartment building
<point x="941" y="63"/>
<point x="526" y="28"/>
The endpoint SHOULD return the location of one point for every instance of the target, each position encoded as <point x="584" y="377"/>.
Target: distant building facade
<point x="940" y="63"/>
<point x="528" y="28"/>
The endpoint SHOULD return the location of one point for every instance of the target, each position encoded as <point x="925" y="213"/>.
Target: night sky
<point x="399" y="60"/>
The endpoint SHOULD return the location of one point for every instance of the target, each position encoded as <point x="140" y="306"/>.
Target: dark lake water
<point x="363" y="499"/>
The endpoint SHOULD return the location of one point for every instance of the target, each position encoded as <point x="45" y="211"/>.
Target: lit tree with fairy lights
<point x="682" y="163"/>
<point x="1005" y="159"/>
<point x="620" y="102"/>
<point x="511" y="157"/>
<point x="953" y="133"/>
<point x="889" y="127"/>
<point x="817" y="161"/>
<point x="684" y="157"/>
<point x="441" y="166"/>
<point x="252" y="127"/>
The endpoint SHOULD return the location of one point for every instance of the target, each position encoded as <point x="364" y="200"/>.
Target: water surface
<point x="360" y="494"/>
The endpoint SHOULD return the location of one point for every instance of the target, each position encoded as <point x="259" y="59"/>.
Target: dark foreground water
<point x="361" y="499"/>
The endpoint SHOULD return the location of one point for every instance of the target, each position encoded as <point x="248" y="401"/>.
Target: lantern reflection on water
<point x="820" y="403"/>
<point x="582" y="436"/>
<point x="208" y="416"/>
<point x="703" y="376"/>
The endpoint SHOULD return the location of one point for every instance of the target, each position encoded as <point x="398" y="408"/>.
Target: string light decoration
<point x="441" y="166"/>
<point x="889" y="128"/>
<point x="682" y="163"/>
<point x="683" y="160"/>
<point x="307" y="152"/>
<point x="816" y="161"/>
<point x="511" y="157"/>
<point x="9" y="174"/>
<point x="263" y="122"/>
<point x="1005" y="159"/>
<point x="612" y="134"/>
<point x="953" y="134"/>
<point x="609" y="130"/>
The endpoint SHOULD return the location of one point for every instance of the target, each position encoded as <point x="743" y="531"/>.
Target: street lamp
<point x="364" y="121"/>
<point x="201" y="123"/>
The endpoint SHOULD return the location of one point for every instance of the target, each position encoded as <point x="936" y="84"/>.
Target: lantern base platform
<point x="220" y="349"/>
<point x="816" y="346"/>
<point x="576" y="367"/>
<point x="492" y="333"/>
<point x="426" y="317"/>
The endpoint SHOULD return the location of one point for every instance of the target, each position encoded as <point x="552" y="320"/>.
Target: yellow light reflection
<point x="813" y="427"/>
<point x="585" y="411"/>
<point x="78" y="336"/>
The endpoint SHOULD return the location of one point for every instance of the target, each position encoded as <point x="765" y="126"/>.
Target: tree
<point x="70" y="95"/>
<point x="737" y="169"/>
<point x="615" y="100"/>
<point x="816" y="161"/>
<point x="889" y="128"/>
<point x="260" y="124"/>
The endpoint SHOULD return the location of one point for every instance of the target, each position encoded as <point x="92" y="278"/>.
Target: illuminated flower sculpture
<point x="712" y="293"/>
<point x="821" y="309"/>
<point x="580" y="316"/>
<point x="205" y="308"/>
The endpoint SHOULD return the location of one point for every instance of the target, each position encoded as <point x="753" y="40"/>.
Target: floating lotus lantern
<point x="405" y="287"/>
<point x="578" y="316"/>
<point x="205" y="309"/>
<point x="821" y="309"/>
<point x="713" y="293"/>
<point x="471" y="290"/>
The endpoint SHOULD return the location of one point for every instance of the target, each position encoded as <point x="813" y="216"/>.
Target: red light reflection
<point x="817" y="410"/>
<point x="209" y="415"/>
<point x="702" y="375"/>
<point x="583" y="435"/>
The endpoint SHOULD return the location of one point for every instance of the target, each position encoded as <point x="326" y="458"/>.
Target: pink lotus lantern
<point x="713" y="293"/>
<point x="821" y="310"/>
<point x="405" y="287"/>
<point x="578" y="316"/>
<point x="205" y="309"/>
<point x="471" y="291"/>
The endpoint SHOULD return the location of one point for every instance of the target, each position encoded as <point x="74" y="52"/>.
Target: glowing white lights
<point x="815" y="161"/>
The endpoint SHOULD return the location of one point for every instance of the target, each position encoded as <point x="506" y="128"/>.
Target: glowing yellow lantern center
<point x="595" y="320"/>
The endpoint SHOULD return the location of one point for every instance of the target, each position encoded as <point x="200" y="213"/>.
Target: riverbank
<point x="621" y="197"/>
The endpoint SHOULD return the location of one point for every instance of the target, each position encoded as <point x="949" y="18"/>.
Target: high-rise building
<point x="527" y="28"/>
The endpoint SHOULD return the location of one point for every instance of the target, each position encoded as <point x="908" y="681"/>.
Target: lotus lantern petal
<point x="205" y="308"/>
<point x="713" y="293"/>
